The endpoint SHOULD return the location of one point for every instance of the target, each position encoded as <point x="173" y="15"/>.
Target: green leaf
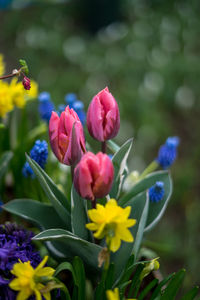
<point x="113" y="146"/>
<point x="50" y="192"/>
<point x="141" y="227"/>
<point x="79" y="215"/>
<point x="158" y="289"/>
<point x="24" y="66"/>
<point x="66" y="266"/>
<point x="156" y="210"/>
<point x="110" y="277"/>
<point x="57" y="192"/>
<point x="41" y="214"/>
<point x="148" y="288"/>
<point x="80" y="275"/>
<point x="4" y="162"/>
<point x="191" y="294"/>
<point x="174" y="285"/>
<point x="119" y="161"/>
<point x="71" y="245"/>
<point x="139" y="208"/>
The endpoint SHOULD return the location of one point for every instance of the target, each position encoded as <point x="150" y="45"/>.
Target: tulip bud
<point x="103" y="119"/>
<point x="66" y="136"/>
<point x="93" y="176"/>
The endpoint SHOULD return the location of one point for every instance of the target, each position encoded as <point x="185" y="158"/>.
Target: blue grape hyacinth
<point x="73" y="102"/>
<point x="46" y="106"/>
<point x="156" y="192"/>
<point x="168" y="152"/>
<point x="15" y="244"/>
<point x="39" y="153"/>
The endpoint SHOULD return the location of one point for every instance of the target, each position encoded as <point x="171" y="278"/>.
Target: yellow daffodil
<point x="29" y="280"/>
<point x="114" y="295"/>
<point x="17" y="93"/>
<point x="33" y="92"/>
<point x="6" y="103"/>
<point x="111" y="222"/>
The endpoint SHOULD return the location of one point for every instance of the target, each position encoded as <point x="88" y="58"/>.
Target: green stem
<point x="152" y="167"/>
<point x="72" y="172"/>
<point x="103" y="147"/>
<point x="107" y="261"/>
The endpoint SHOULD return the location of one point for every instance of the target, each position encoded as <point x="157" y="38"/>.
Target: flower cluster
<point x="156" y="192"/>
<point x="46" y="106"/>
<point x="13" y="94"/>
<point x="39" y="153"/>
<point x="77" y="105"/>
<point x="15" y="244"/>
<point x="168" y="152"/>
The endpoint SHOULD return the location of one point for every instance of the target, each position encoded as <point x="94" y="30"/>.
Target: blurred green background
<point x="148" y="54"/>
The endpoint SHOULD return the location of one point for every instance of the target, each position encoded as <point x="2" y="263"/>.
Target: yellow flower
<point x="2" y="65"/>
<point x="112" y="222"/>
<point x="6" y="103"/>
<point x="28" y="281"/>
<point x="33" y="92"/>
<point x="114" y="295"/>
<point x="17" y="93"/>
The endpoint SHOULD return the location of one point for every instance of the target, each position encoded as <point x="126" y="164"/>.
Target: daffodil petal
<point x="23" y="294"/>
<point x="41" y="265"/>
<point x="115" y="244"/>
<point x="47" y="296"/>
<point x="37" y="295"/>
<point x="47" y="271"/>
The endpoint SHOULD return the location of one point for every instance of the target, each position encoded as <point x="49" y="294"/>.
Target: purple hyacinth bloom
<point x="156" y="192"/>
<point x="15" y="244"/>
<point x="168" y="152"/>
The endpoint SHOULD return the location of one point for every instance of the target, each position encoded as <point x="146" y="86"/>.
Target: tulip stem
<point x="94" y="203"/>
<point x="72" y="172"/>
<point x="103" y="147"/>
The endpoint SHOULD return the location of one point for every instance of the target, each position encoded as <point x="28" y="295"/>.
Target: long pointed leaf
<point x="60" y="209"/>
<point x="174" y="285"/>
<point x="119" y="161"/>
<point x="41" y="214"/>
<point x="73" y="245"/>
<point x="78" y="215"/>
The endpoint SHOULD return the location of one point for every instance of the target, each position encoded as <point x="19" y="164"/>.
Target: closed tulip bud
<point x="66" y="136"/>
<point x="103" y="119"/>
<point x="93" y="176"/>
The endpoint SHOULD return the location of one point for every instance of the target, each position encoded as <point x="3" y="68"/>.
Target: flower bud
<point x="66" y="136"/>
<point x="26" y="83"/>
<point x="93" y="176"/>
<point x="103" y="119"/>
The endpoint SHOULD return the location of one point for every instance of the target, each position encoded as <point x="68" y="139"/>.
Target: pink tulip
<point x="93" y="176"/>
<point x="66" y="136"/>
<point x="103" y="119"/>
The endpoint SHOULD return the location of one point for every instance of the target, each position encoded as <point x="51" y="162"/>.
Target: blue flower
<point x="156" y="192"/>
<point x="46" y="106"/>
<point x="15" y="244"/>
<point x="70" y="98"/>
<point x="39" y="153"/>
<point x="27" y="171"/>
<point x="168" y="152"/>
